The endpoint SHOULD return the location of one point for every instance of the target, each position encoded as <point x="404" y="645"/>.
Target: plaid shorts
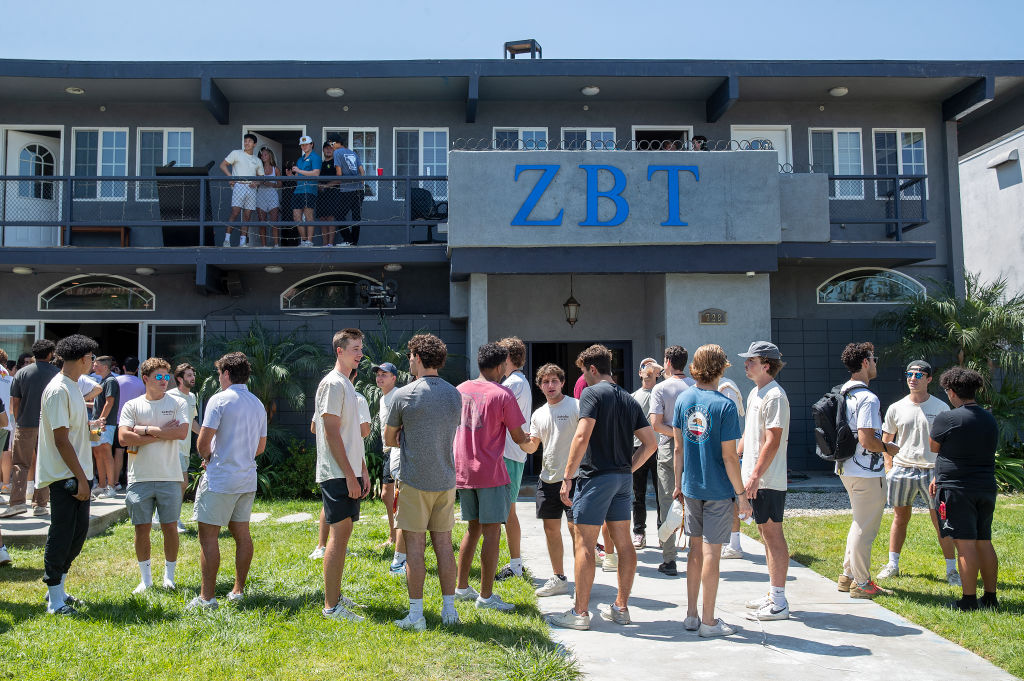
<point x="906" y="483"/>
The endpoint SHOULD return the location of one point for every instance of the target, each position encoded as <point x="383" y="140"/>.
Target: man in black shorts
<point x="965" y="439"/>
<point x="553" y="425"/>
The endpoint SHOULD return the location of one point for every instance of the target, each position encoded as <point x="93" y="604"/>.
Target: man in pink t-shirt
<point x="489" y="410"/>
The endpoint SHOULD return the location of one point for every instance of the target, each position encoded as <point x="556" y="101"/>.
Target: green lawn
<point x="921" y="590"/>
<point x="277" y="632"/>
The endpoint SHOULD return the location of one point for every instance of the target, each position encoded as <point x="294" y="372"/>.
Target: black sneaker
<point x="988" y="602"/>
<point x="668" y="568"/>
<point x="65" y="610"/>
<point x="963" y="605"/>
<point x="505" y="573"/>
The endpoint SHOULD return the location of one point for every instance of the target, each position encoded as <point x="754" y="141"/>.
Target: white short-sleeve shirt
<point x="240" y="420"/>
<point x="62" y="406"/>
<point x="520" y="387"/>
<point x="767" y="407"/>
<point x="185" y="445"/>
<point x="157" y="461"/>
<point x="336" y="395"/>
<point x="243" y="164"/>
<point x="912" y="424"/>
<point x="863" y="410"/>
<point x="555" y="426"/>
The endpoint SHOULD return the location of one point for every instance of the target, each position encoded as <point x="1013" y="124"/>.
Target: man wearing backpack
<point x="863" y="474"/>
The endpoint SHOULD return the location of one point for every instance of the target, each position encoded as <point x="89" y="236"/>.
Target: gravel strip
<point x="810" y="504"/>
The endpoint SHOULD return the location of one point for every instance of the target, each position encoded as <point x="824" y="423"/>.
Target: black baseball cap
<point x="920" y="365"/>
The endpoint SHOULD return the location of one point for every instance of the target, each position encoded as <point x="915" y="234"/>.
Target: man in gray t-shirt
<point x="423" y="419"/>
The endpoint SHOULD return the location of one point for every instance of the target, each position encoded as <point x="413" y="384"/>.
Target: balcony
<point x="896" y="202"/>
<point x="185" y="211"/>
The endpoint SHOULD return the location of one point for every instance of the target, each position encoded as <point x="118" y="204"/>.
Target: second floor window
<point x="422" y="151"/>
<point x="158" y="148"/>
<point x="900" y="152"/>
<point x="838" y="152"/>
<point x="100" y="152"/>
<point x="588" y="138"/>
<point x="363" y="141"/>
<point x="520" y="138"/>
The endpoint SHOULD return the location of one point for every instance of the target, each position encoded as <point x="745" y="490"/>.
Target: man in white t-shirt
<point x="233" y="434"/>
<point x="661" y="414"/>
<point x="908" y="424"/>
<point x="863" y="474"/>
<point x="553" y="426"/>
<point x="185" y="380"/>
<point x="64" y="467"/>
<point x="763" y="469"/>
<point x="150" y="427"/>
<point x="515" y="458"/>
<point x="242" y="163"/>
<point x="340" y="465"/>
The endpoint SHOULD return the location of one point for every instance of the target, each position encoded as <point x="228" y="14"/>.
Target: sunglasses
<point x="161" y="377"/>
<point x="916" y="374"/>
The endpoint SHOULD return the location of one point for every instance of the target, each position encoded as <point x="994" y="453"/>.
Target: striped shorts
<point x="906" y="483"/>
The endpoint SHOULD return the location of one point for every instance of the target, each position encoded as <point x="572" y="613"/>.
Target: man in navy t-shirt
<point x="348" y="164"/>
<point x="705" y="426"/>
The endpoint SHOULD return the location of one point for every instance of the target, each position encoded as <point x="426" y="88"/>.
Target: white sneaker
<point x="770" y="612"/>
<point x="469" y="594"/>
<point x="243" y="242"/>
<point x="340" y="612"/>
<point x="16" y="509"/>
<point x="227" y="242"/>
<point x="691" y="623"/>
<point x="5" y="558"/>
<point x="318" y="553"/>
<point x="553" y="587"/>
<point x="570" y="620"/>
<point x="610" y="613"/>
<point x="198" y="603"/>
<point x="409" y="624"/>
<point x="234" y="598"/>
<point x="953" y="577"/>
<point x="40" y="511"/>
<point x="611" y="563"/>
<point x="758" y="603"/>
<point x="141" y="588"/>
<point x="720" y="628"/>
<point x="181" y="527"/>
<point x="105" y="493"/>
<point x="728" y="552"/>
<point x="349" y="603"/>
<point x="450" y="617"/>
<point x="889" y="570"/>
<point x="169" y="584"/>
<point x="494" y="603"/>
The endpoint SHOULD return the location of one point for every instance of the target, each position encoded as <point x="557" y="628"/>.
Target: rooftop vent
<point x="528" y="46"/>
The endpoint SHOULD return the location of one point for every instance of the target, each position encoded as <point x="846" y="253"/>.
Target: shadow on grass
<point x="290" y="605"/>
<point x="20" y="574"/>
<point x="19" y="612"/>
<point x="135" y="610"/>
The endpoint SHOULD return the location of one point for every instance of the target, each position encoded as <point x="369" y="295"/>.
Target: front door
<point x="777" y="135"/>
<point x="34" y="199"/>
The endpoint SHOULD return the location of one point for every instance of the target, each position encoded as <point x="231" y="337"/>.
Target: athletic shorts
<point x="303" y="200"/>
<point x="183" y="461"/>
<point x="906" y="483"/>
<point x="711" y="520"/>
<point x="515" y="476"/>
<point x="488" y="505"/>
<point x="142" y="497"/>
<point x="549" y="501"/>
<point x="338" y="505"/>
<point x="964" y="514"/>
<point x="107" y="437"/>
<point x="603" y="498"/>
<point x="420" y="511"/>
<point x="243" y="195"/>
<point x="220" y="508"/>
<point x="770" y="504"/>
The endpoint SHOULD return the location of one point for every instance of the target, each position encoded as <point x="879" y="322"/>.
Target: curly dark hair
<point x="678" y="355"/>
<point x="597" y="356"/>
<point x="237" y="366"/>
<point x="430" y="349"/>
<point x="854" y="355"/>
<point x="491" y="356"/>
<point x="965" y="383"/>
<point x="516" y="349"/>
<point x="41" y="349"/>
<point x="153" y="364"/>
<point x="74" y="347"/>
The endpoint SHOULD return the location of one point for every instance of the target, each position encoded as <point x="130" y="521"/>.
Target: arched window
<point x="101" y="292"/>
<point x="36" y="160"/>
<point x="338" y="291"/>
<point x="869" y="285"/>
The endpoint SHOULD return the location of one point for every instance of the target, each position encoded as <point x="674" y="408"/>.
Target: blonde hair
<point x="709" y="363"/>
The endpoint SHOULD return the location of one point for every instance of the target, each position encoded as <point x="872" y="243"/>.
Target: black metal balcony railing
<point x="188" y="208"/>
<point x="896" y="201"/>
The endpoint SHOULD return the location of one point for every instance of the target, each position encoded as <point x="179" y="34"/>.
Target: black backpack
<point x="834" y="439"/>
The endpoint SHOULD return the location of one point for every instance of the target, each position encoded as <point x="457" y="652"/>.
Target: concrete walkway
<point x="30" y="530"/>
<point x="828" y="635"/>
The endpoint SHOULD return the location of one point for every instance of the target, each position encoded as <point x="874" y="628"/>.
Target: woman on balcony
<point x="267" y="201"/>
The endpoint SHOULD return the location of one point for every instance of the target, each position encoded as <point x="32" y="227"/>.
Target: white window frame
<point x="688" y="129"/>
<point x="138" y="152"/>
<point x="817" y="290"/>
<point x="899" y="155"/>
<point x="519" y="130"/>
<point x="588" y="131"/>
<point x="397" y="194"/>
<point x="835" y="157"/>
<point x="329" y="130"/>
<point x="99" y="160"/>
<point x="131" y="282"/>
<point x="736" y="133"/>
<point x="311" y="311"/>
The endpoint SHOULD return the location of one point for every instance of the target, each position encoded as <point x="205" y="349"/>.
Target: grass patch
<point x="277" y="632"/>
<point x="921" y="589"/>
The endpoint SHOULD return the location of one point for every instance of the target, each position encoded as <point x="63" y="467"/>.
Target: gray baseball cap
<point x="762" y="349"/>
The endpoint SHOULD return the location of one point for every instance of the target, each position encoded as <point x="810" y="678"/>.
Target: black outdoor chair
<point x="425" y="208"/>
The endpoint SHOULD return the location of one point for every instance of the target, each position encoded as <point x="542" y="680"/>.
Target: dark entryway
<point x="564" y="355"/>
<point x="118" y="339"/>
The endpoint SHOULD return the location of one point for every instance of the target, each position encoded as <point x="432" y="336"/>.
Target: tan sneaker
<point x="869" y="590"/>
<point x="844" y="583"/>
<point x="611" y="563"/>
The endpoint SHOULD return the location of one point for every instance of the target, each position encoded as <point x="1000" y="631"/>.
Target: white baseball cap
<point x="305" y="139"/>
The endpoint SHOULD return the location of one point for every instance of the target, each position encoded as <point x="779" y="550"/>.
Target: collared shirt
<point x="310" y="162"/>
<point x="240" y="420"/>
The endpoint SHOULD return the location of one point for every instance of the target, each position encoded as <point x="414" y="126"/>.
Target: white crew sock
<point x="147" y="573"/>
<point x="415" y="608"/>
<point x="894" y="559"/>
<point x="30" y="489"/>
<point x="950" y="564"/>
<point x="448" y="602"/>
<point x="169" y="568"/>
<point x="63" y="578"/>
<point x="399" y="558"/>
<point x="779" y="596"/>
<point x="517" y="566"/>
<point x="56" y="595"/>
<point x="734" y="541"/>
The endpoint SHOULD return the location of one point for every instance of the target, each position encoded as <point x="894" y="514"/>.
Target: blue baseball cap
<point x="385" y="366"/>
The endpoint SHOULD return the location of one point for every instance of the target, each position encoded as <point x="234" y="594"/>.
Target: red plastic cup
<point x="380" y="172"/>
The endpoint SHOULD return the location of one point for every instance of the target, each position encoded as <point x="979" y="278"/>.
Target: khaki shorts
<point x="217" y="508"/>
<point x="420" y="511"/>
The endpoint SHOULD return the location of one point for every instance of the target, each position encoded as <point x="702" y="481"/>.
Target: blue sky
<point x="476" y="29"/>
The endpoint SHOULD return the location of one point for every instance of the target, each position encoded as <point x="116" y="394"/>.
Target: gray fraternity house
<point x="675" y="201"/>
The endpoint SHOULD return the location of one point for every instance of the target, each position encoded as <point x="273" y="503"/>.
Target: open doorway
<point x="117" y="339"/>
<point x="32" y="152"/>
<point x="283" y="141"/>
<point x="661" y="138"/>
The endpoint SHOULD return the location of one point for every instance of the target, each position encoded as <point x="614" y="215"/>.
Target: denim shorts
<point x="603" y="498"/>
<point x="107" y="438"/>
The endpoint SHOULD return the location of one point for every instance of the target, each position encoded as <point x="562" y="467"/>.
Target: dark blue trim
<point x="722" y="99"/>
<point x="214" y="99"/>
<point x="877" y="253"/>
<point x="472" y="98"/>
<point x="976" y="95"/>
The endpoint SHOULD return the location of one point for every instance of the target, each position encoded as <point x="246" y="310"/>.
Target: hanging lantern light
<point x="571" y="306"/>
